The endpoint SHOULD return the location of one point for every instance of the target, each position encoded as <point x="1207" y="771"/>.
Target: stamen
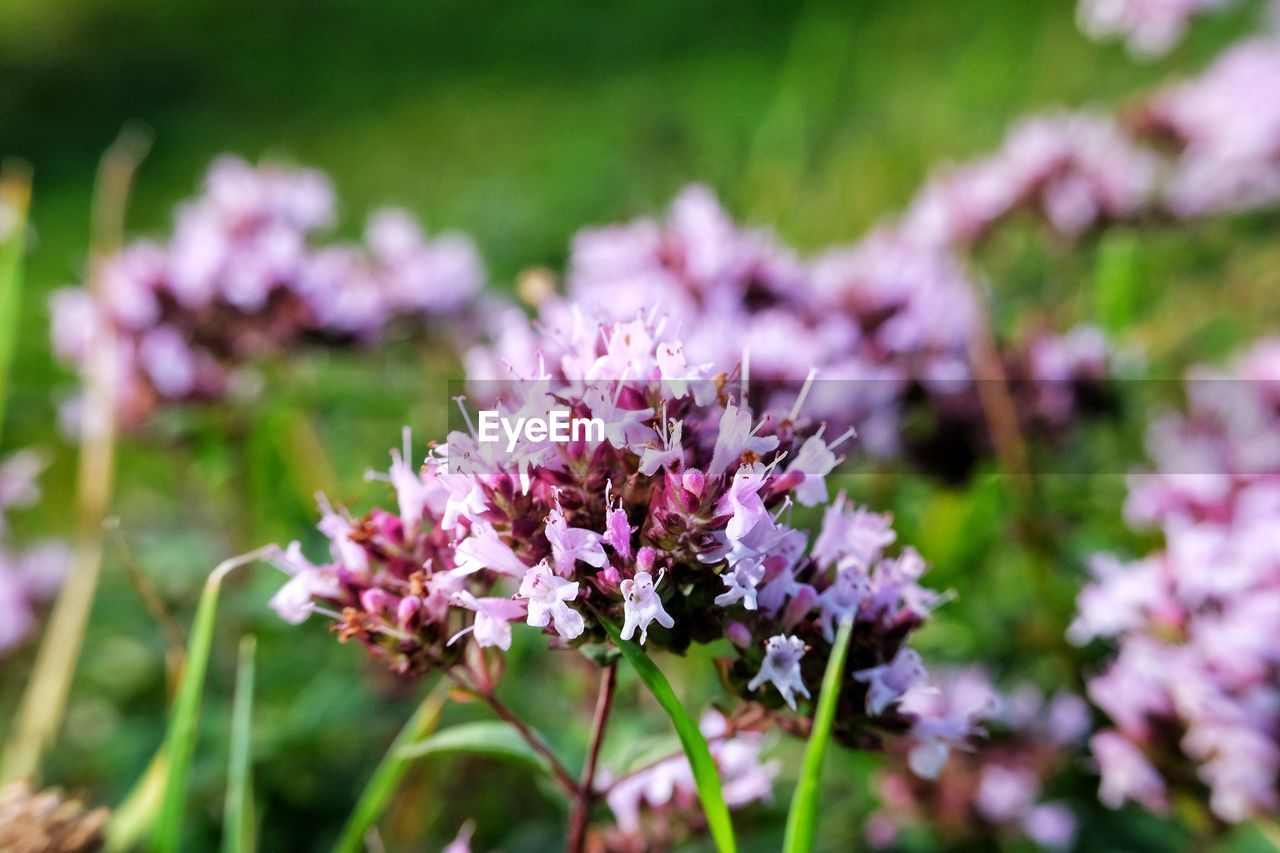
<point x="466" y="416"/>
<point x="804" y="393"/>
<point x="465" y="630"/>
<point x="844" y="436"/>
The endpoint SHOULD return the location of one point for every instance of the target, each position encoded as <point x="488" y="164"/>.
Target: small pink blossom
<point x="492" y="626"/>
<point x="781" y="668"/>
<point x="547" y="595"/>
<point x="642" y="606"/>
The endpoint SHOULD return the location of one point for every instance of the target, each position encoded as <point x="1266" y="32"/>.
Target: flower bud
<point x="738" y="634"/>
<point x="799" y="605"/>
<point x="694" y="482"/>
<point x="407" y="611"/>
<point x="375" y="601"/>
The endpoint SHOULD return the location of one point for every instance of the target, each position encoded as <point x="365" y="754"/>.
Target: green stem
<point x="802" y="819"/>
<point x="586" y="798"/>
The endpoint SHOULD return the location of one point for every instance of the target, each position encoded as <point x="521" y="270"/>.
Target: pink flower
<point x="741" y="581"/>
<point x="492" y="626"/>
<point x="570" y="544"/>
<point x="842" y="599"/>
<point x="736" y="437"/>
<point x="483" y="549"/>
<point x="668" y="454"/>
<point x="889" y="682"/>
<point x="781" y="668"/>
<point x="547" y="596"/>
<point x="1126" y="773"/>
<point x="815" y="461"/>
<point x="742" y="502"/>
<point x="617" y="529"/>
<point x="642" y="606"/>
<point x="293" y="601"/>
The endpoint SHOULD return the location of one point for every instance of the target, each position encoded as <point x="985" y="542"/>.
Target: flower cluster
<point x="28" y="577"/>
<point x="242" y="277"/>
<point x="1195" y="681"/>
<point x="670" y="526"/>
<point x="1149" y="27"/>
<point x="994" y="792"/>
<point x="1225" y="125"/>
<point x="657" y="806"/>
<point x="1201" y="147"/>
<point x="1076" y="170"/>
<point x="884" y="325"/>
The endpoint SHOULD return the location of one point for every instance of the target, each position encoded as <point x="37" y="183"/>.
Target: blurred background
<point x="518" y="125"/>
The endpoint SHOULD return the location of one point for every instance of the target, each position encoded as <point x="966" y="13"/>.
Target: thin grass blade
<point x="802" y="818"/>
<point x="180" y="740"/>
<point x="695" y="746"/>
<point x="237" y="821"/>
<point x="134" y="818"/>
<point x="15" y="196"/>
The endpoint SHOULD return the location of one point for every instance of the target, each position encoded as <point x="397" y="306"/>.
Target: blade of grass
<point x="180" y="740"/>
<point x="237" y="818"/>
<point x="387" y="776"/>
<point x="802" y="818"/>
<point x="695" y="746"/>
<point x="44" y="700"/>
<point x="132" y="819"/>
<point x="15" y="197"/>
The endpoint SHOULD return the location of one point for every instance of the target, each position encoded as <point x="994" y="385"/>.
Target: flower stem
<point x="587" y="795"/>
<point x="557" y="768"/>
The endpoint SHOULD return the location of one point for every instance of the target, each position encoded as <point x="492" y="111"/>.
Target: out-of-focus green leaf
<point x="695" y="746"/>
<point x="390" y="771"/>
<point x="180" y="740"/>
<point x="1118" y="283"/>
<point x="485" y="737"/>
<point x="237" y="819"/>
<point x="15" y="193"/>
<point x="802" y="818"/>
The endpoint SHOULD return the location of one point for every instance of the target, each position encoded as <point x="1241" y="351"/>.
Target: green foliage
<point x="1119" y="285"/>
<point x="180" y="740"/>
<point x="487" y="738"/>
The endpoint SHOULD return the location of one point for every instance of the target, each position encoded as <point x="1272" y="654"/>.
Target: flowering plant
<point x="242" y="277"/>
<point x="1194" y="683"/>
<point x="671" y="525"/>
